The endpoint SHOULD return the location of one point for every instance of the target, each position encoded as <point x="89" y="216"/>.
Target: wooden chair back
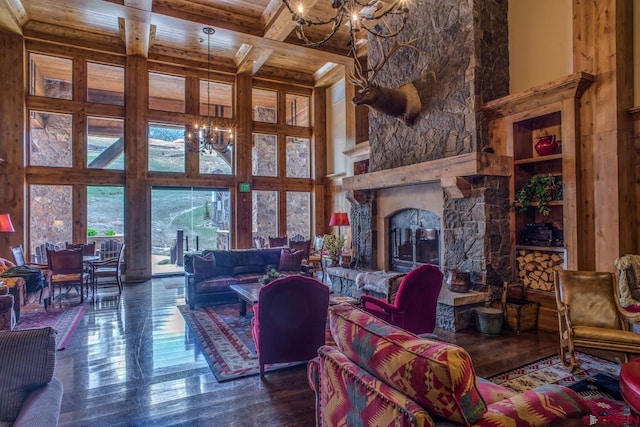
<point x="277" y="242"/>
<point x="40" y="256"/>
<point x="110" y="249"/>
<point x="18" y="255"/>
<point x="88" y="249"/>
<point x="65" y="261"/>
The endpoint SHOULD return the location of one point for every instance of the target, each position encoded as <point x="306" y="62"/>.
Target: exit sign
<point x="244" y="187"/>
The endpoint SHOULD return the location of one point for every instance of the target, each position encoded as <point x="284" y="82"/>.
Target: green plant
<point x="109" y="233"/>
<point x="271" y="275"/>
<point x="541" y="189"/>
<point x="92" y="232"/>
<point x="334" y="246"/>
<point x="207" y="212"/>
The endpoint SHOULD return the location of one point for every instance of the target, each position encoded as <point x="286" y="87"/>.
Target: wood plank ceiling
<point x="252" y="36"/>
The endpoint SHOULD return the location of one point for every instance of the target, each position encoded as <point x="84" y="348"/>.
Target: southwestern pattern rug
<point x="226" y="342"/>
<point x="596" y="381"/>
<point x="64" y="319"/>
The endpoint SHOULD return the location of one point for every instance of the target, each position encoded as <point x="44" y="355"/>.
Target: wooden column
<point x="12" y="111"/>
<point x="242" y="235"/>
<point x="320" y="216"/>
<point x="137" y="191"/>
<point x="608" y="212"/>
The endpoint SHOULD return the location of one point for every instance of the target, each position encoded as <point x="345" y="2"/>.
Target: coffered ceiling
<point x="252" y="36"/>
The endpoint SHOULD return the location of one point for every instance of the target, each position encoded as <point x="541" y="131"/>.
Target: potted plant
<point x="541" y="189"/>
<point x="334" y="247"/>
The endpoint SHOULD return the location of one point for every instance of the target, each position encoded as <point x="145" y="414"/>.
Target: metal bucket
<point x="489" y="320"/>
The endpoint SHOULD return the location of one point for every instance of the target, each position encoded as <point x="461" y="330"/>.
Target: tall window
<point x="298" y="213"/>
<point x="166" y="148"/>
<point x="265" y="103"/>
<point x="51" y="214"/>
<point x="166" y="92"/>
<point x="264" y="156"/>
<point x="297" y="113"/>
<point x="265" y="214"/>
<point x="51" y="142"/>
<point x="105" y="210"/>
<point x="105" y="143"/>
<point x="50" y="76"/>
<point x="298" y="157"/>
<point x="105" y="84"/>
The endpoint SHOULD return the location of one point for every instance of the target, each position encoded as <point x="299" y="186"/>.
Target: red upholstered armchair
<point x="290" y="320"/>
<point x="414" y="308"/>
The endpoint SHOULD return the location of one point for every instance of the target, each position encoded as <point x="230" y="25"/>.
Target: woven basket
<point x="520" y="314"/>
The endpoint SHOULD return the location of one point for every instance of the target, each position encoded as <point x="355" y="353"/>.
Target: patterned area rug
<point x="596" y="381"/>
<point x="225" y="340"/>
<point x="64" y="319"/>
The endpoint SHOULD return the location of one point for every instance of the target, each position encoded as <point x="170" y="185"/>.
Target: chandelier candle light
<point x="210" y="137"/>
<point x="356" y="14"/>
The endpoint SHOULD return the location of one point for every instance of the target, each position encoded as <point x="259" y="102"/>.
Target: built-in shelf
<point x="537" y="159"/>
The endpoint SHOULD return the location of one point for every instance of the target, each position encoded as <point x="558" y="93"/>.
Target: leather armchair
<point x="588" y="315"/>
<point x="290" y="320"/>
<point x="628" y="294"/>
<point x="414" y="308"/>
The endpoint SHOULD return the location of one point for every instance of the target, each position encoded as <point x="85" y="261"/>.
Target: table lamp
<point x="5" y="224"/>
<point x="339" y="219"/>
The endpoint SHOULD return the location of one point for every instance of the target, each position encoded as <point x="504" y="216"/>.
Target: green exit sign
<point x="244" y="187"/>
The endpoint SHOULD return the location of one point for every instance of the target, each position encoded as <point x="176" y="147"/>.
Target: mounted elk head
<point x="402" y="103"/>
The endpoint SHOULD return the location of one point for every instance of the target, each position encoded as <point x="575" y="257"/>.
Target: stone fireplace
<point x="442" y="164"/>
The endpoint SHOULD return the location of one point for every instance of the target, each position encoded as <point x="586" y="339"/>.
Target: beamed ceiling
<point x="252" y="36"/>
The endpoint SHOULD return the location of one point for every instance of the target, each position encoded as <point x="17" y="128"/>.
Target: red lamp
<point x="5" y="224"/>
<point x="339" y="219"/>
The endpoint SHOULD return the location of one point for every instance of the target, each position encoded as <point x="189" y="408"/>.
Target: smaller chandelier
<point x="211" y="137"/>
<point x="367" y="15"/>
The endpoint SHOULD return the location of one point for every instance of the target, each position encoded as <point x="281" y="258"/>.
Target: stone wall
<point x="463" y="62"/>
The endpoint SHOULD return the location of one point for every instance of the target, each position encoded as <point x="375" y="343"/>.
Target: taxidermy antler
<point x="402" y="102"/>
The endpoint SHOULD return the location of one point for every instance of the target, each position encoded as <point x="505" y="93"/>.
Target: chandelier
<point x="356" y="15"/>
<point x="210" y="137"/>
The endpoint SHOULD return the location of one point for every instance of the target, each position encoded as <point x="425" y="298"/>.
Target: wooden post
<point x="243" y="201"/>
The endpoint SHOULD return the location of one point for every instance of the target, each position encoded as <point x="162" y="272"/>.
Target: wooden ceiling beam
<point x="137" y="26"/>
<point x="328" y="74"/>
<point x="208" y="15"/>
<point x="13" y="16"/>
<point x="249" y="60"/>
<point x="277" y="20"/>
<point x="73" y="37"/>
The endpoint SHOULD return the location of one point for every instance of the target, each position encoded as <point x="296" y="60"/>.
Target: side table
<point x="16" y="288"/>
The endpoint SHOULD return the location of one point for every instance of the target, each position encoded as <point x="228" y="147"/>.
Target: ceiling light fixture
<point x="357" y="15"/>
<point x="211" y="137"/>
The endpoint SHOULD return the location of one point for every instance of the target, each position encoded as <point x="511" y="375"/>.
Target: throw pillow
<point x="204" y="266"/>
<point x="290" y="261"/>
<point x="27" y="358"/>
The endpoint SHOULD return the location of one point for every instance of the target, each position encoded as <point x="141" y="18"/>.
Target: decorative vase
<point x="546" y="145"/>
<point x="458" y="280"/>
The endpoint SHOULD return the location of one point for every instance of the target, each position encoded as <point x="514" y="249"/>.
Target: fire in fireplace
<point x="414" y="239"/>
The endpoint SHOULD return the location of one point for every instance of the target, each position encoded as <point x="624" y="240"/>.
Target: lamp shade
<point x="338" y="219"/>
<point x="5" y="224"/>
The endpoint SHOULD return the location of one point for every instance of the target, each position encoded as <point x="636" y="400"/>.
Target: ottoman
<point x="630" y="384"/>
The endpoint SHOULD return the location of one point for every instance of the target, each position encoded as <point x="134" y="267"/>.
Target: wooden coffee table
<point x="248" y="294"/>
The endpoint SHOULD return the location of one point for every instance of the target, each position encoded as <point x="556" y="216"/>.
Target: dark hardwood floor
<point x="132" y="362"/>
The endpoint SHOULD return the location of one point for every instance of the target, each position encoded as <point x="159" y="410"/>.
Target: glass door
<point x="185" y="220"/>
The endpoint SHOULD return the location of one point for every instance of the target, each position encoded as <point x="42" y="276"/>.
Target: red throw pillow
<point x="290" y="261"/>
<point x="204" y="266"/>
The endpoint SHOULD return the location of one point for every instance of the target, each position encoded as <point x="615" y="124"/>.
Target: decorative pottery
<point x="546" y="145"/>
<point x="458" y="280"/>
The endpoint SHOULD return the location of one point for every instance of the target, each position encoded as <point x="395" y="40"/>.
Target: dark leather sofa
<point x="235" y="266"/>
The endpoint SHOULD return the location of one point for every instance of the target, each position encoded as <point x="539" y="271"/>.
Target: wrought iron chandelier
<point x="356" y="14"/>
<point x="210" y="137"/>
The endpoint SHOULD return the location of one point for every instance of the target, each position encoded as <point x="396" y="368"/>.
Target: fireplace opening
<point x="414" y="239"/>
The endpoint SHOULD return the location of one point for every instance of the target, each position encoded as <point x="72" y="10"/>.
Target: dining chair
<point x="67" y="268"/>
<point x="109" y="249"/>
<point x="88" y="249"/>
<point x="277" y="242"/>
<point x="111" y="268"/>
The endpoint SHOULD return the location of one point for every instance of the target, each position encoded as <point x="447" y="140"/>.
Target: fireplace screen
<point x="414" y="239"/>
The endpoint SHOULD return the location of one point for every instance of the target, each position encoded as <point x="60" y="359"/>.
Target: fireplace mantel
<point x="449" y="171"/>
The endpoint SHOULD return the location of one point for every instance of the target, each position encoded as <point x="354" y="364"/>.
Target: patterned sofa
<point x="209" y="274"/>
<point x="382" y="375"/>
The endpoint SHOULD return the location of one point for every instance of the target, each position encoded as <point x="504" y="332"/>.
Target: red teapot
<point x="546" y="145"/>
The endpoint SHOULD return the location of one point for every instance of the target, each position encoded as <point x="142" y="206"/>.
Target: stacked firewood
<point x="535" y="268"/>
